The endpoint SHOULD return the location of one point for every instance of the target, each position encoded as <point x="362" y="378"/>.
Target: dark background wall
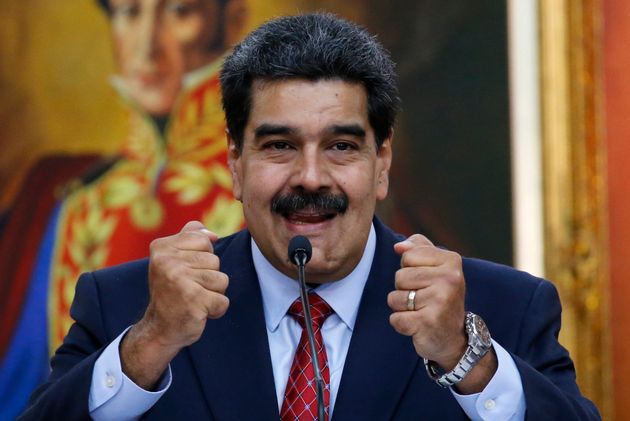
<point x="451" y="177"/>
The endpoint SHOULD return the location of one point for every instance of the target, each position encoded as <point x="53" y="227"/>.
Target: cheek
<point x="195" y="39"/>
<point x="261" y="183"/>
<point x="360" y="185"/>
<point x="190" y="32"/>
<point x="174" y="56"/>
<point x="123" y="52"/>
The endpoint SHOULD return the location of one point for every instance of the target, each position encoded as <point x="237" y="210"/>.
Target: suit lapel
<point x="232" y="357"/>
<point x="380" y="362"/>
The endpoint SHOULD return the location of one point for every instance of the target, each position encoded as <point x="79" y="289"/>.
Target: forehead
<point x="206" y="9"/>
<point x="308" y="104"/>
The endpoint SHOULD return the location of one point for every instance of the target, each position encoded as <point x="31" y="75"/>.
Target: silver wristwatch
<point x="479" y="342"/>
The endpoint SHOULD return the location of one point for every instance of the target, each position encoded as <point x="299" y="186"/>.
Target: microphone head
<point x="300" y="250"/>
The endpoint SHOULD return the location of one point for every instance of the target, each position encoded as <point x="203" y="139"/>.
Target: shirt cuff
<point x="113" y="395"/>
<point x="503" y="397"/>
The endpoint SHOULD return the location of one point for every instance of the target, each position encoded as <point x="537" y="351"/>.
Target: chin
<point x="157" y="110"/>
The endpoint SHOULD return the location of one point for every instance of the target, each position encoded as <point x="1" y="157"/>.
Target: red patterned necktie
<point x="300" y="396"/>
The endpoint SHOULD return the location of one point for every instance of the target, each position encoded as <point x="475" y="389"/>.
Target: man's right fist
<point x="186" y="288"/>
<point x="185" y="284"/>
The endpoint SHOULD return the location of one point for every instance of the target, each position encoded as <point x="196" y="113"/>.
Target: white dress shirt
<point x="113" y="396"/>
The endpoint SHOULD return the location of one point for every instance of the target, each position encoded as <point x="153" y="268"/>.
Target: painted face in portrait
<point x="156" y="42"/>
<point x="312" y="141"/>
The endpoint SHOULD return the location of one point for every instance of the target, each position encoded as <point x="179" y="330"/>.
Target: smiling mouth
<point x="304" y="217"/>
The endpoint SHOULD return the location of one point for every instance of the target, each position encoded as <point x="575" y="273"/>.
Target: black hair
<point x="313" y="47"/>
<point x="105" y="5"/>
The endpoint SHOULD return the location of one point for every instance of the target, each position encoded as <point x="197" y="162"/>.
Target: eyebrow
<point x="267" y="129"/>
<point x="347" y="129"/>
<point x="273" y="130"/>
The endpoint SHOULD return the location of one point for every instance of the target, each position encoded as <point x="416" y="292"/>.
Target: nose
<point x="149" y="35"/>
<point x="311" y="171"/>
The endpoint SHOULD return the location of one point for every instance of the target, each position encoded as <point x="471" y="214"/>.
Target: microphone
<point x="300" y="251"/>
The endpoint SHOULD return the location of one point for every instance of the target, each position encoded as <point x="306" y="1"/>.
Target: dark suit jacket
<point x="227" y="374"/>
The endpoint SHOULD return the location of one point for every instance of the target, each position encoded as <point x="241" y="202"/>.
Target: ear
<point x="383" y="165"/>
<point x="235" y="165"/>
<point x="235" y="18"/>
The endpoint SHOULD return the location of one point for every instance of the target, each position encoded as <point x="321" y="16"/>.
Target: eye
<point x="127" y="10"/>
<point x="343" y="146"/>
<point x="278" y="145"/>
<point x="180" y="8"/>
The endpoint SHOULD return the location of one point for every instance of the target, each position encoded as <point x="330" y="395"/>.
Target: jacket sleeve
<point x="65" y="395"/>
<point x="546" y="370"/>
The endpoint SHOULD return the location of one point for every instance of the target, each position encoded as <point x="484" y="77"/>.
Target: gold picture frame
<point x="574" y="186"/>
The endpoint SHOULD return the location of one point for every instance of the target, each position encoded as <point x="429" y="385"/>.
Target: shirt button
<point x="489" y="404"/>
<point x="110" y="381"/>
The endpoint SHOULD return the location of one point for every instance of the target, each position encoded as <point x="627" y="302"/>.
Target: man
<point x="209" y="329"/>
<point x="172" y="169"/>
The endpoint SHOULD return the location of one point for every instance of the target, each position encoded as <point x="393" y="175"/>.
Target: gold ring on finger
<point x="411" y="300"/>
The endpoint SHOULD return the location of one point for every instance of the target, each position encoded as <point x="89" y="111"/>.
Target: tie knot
<point x="320" y="310"/>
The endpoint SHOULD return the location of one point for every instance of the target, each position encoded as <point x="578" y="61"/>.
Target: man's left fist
<point x="434" y="315"/>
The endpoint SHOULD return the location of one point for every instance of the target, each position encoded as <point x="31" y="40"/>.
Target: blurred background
<point x="511" y="146"/>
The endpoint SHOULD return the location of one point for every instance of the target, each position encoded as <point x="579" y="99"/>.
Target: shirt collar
<point x="279" y="291"/>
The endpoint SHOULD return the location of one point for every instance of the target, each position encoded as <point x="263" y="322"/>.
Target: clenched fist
<point x="435" y="317"/>
<point x="186" y="288"/>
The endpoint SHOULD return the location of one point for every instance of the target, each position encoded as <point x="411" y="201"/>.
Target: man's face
<point x="310" y="139"/>
<point x="157" y="41"/>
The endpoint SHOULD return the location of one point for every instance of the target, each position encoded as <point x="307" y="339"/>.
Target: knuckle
<point x="192" y="225"/>
<point x="213" y="261"/>
<point x="391" y="300"/>
<point x="432" y="321"/>
<point x="218" y="306"/>
<point x="154" y="245"/>
<point x="456" y="277"/>
<point x="403" y="325"/>
<point x="189" y="295"/>
<point x="416" y="237"/>
<point x="406" y="278"/>
<point x="174" y="272"/>
<point x="223" y="281"/>
<point x="406" y="327"/>
<point x="158" y="258"/>
<point x="405" y="259"/>
<point x="214" y="281"/>
<point x="455" y="256"/>
<point x="198" y="316"/>
<point x="195" y="239"/>
<point x="420" y="239"/>
<point x="394" y="321"/>
<point x="399" y="278"/>
<point x="187" y="236"/>
<point x="441" y="299"/>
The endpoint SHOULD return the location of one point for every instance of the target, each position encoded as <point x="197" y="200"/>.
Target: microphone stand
<point x="300" y="255"/>
<point x="311" y="340"/>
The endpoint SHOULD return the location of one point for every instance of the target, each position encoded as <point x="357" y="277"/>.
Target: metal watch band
<point x="474" y="352"/>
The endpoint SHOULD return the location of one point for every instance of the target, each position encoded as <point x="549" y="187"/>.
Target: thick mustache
<point x="284" y="204"/>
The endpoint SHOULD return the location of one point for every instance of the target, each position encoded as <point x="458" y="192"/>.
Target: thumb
<point x="411" y="242"/>
<point x="198" y="226"/>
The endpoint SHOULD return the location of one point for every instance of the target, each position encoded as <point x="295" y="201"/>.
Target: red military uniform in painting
<point x="159" y="185"/>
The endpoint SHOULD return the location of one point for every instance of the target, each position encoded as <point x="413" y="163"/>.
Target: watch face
<point x="482" y="330"/>
<point x="478" y="333"/>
